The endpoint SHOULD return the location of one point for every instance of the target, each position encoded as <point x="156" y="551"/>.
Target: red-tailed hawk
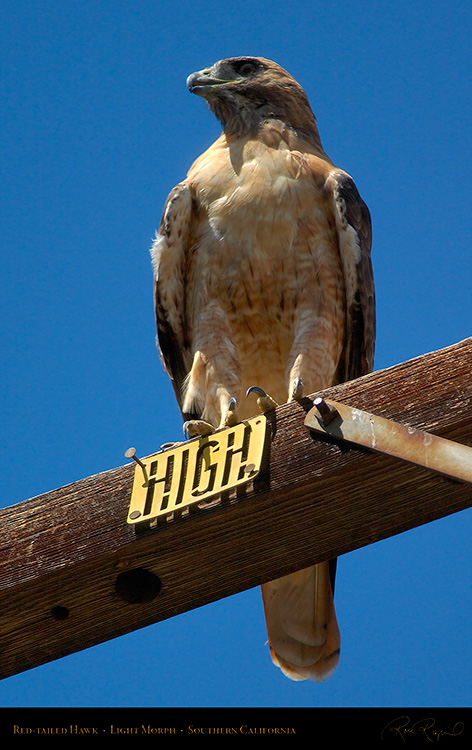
<point x="263" y="278"/>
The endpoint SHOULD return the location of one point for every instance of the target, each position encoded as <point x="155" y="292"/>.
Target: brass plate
<point x="197" y="470"/>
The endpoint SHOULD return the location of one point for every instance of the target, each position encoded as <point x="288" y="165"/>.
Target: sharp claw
<point x="265" y="402"/>
<point x="256" y="389"/>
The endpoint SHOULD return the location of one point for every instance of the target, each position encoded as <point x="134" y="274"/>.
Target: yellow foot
<point x="197" y="427"/>
<point x="297" y="390"/>
<point x="229" y="417"/>
<point x="265" y="402"/>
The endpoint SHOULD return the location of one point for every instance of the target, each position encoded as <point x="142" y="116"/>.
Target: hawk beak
<point x="201" y="83"/>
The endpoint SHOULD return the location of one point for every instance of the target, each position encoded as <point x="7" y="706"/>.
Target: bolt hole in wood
<point x="137" y="586"/>
<point x="60" y="613"/>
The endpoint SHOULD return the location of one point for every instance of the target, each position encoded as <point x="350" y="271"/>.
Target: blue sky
<point x="97" y="127"/>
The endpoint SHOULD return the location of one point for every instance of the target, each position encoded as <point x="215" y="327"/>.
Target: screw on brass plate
<point x="326" y="411"/>
<point x="131" y="453"/>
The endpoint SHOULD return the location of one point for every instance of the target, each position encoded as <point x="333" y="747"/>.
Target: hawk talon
<point x="197" y="427"/>
<point x="265" y="402"/>
<point x="297" y="390"/>
<point x="229" y="416"/>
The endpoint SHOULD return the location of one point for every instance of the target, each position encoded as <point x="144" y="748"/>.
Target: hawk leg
<point x="199" y="427"/>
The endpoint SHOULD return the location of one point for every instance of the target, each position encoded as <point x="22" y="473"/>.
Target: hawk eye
<point x="246" y="69"/>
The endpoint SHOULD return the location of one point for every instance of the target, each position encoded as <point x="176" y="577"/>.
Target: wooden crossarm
<point x="74" y="573"/>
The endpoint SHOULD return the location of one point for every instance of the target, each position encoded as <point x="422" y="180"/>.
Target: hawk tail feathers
<point x="303" y="632"/>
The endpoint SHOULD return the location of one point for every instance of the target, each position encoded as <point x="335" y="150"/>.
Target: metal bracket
<point x="343" y="422"/>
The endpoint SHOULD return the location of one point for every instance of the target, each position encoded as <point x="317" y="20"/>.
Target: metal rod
<point x="446" y="457"/>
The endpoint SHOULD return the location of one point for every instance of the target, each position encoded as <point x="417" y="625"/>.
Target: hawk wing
<point x="355" y="239"/>
<point x="169" y="257"/>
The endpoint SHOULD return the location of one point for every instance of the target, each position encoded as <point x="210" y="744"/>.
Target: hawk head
<point x="243" y="92"/>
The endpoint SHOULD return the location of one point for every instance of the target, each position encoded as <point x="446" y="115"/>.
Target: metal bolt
<point x="327" y="411"/>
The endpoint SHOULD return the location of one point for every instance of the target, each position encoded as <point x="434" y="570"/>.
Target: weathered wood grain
<point x="71" y="568"/>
